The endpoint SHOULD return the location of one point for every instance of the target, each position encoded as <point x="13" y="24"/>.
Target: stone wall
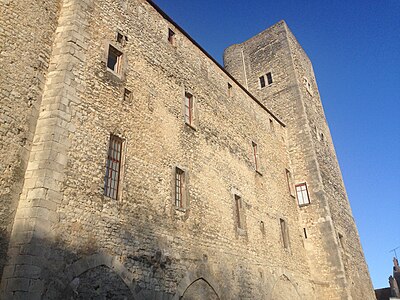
<point x="26" y="34"/>
<point x="346" y="235"/>
<point x="157" y="243"/>
<point x="294" y="96"/>
<point x="69" y="239"/>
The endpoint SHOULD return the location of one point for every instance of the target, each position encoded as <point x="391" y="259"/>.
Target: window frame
<point x="114" y="173"/>
<point x="284" y="229"/>
<point x="289" y="180"/>
<point x="300" y="185"/>
<point x="269" y="78"/>
<point x="189" y="109"/>
<point x="117" y="69"/>
<point x="180" y="195"/>
<point x="262" y="82"/>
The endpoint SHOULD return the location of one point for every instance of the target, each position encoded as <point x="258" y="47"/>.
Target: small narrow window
<point x="322" y="137"/>
<point x="255" y="156"/>
<point x="262" y="81"/>
<point x="113" y="167"/>
<point x="127" y="95"/>
<point x="289" y="180"/>
<point x="269" y="78"/>
<point x="120" y="38"/>
<point x="229" y="90"/>
<point x="238" y="207"/>
<point x="308" y="86"/>
<point x="271" y="125"/>
<point x="189" y="109"/>
<point x="114" y="60"/>
<point x="262" y="227"/>
<point x="305" y="233"/>
<point x="302" y="194"/>
<point x="179" y="188"/>
<point x="284" y="233"/>
<point x="341" y="240"/>
<point x="171" y="37"/>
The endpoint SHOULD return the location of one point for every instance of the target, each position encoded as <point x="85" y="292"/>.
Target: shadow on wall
<point x="144" y="269"/>
<point x="93" y="273"/>
<point x="4" y="238"/>
<point x="146" y="272"/>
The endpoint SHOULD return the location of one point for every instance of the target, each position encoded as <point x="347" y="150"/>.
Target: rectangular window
<point x="302" y="194"/>
<point x="262" y="81"/>
<point x="341" y="242"/>
<point x="269" y="78"/>
<point x="189" y="108"/>
<point x="238" y="204"/>
<point x="120" y="38"/>
<point x="271" y="125"/>
<point x="179" y="188"/>
<point x="229" y="90"/>
<point x="255" y="155"/>
<point x="171" y="36"/>
<point x="114" y="60"/>
<point x="289" y="180"/>
<point x="127" y="95"/>
<point x="262" y="227"/>
<point x="284" y="232"/>
<point x="113" y="167"/>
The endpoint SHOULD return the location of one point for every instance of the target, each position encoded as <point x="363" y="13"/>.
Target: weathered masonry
<point x="133" y="166"/>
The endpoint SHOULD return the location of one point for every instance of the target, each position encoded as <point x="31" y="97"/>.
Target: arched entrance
<point x="99" y="283"/>
<point x="284" y="290"/>
<point x="200" y="290"/>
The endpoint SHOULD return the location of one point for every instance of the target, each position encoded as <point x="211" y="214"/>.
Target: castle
<point x="134" y="166"/>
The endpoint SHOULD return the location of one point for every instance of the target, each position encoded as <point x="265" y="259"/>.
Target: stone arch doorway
<point x="200" y="289"/>
<point x="284" y="289"/>
<point x="83" y="278"/>
<point x="100" y="283"/>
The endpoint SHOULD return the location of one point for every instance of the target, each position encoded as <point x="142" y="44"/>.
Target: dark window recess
<point x="262" y="227"/>
<point x="238" y="204"/>
<point x="114" y="59"/>
<point x="269" y="77"/>
<point x="179" y="187"/>
<point x="229" y="90"/>
<point x="271" y="125"/>
<point x="171" y="36"/>
<point x="120" y="38"/>
<point x="113" y="167"/>
<point x="341" y="240"/>
<point x="305" y="233"/>
<point x="284" y="232"/>
<point x="262" y="81"/>
<point x="127" y="95"/>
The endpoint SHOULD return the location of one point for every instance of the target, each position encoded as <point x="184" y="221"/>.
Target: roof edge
<point x="169" y="19"/>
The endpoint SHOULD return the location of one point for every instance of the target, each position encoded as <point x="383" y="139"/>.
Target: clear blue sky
<point x="355" y="50"/>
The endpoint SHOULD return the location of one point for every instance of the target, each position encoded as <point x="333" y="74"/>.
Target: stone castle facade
<point x="133" y="166"/>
